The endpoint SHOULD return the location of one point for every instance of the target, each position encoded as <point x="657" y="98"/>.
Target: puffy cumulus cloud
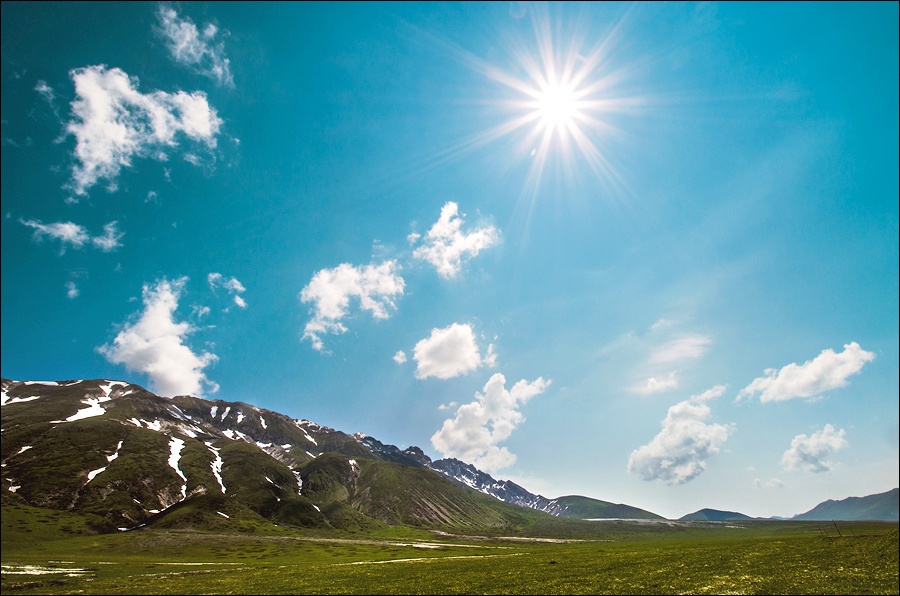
<point x="679" y="452"/>
<point x="400" y="357"/>
<point x="809" y="453"/>
<point x="113" y="122"/>
<point x="447" y="353"/>
<point x="826" y="371"/>
<point x="72" y="290"/>
<point x="771" y="483"/>
<point x="234" y="287"/>
<point x="330" y="291"/>
<point x="153" y="343"/>
<point x="72" y="235"/>
<point x="655" y="385"/>
<point x="446" y="247"/>
<point x="684" y="348"/>
<point x="479" y="426"/>
<point x="199" y="50"/>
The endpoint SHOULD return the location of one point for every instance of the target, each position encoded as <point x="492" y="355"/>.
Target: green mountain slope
<point x="882" y="506"/>
<point x="578" y="507"/>
<point x="114" y="452"/>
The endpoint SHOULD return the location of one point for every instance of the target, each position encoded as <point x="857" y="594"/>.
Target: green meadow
<point x="53" y="552"/>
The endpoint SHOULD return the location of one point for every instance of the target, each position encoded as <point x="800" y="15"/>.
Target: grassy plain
<point x="48" y="552"/>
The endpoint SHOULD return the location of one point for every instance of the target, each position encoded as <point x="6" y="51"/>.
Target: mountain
<point x="715" y="515"/>
<point x="119" y="453"/>
<point x="882" y="506"/>
<point x="572" y="506"/>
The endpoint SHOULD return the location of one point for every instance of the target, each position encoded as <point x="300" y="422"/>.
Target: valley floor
<point x="617" y="557"/>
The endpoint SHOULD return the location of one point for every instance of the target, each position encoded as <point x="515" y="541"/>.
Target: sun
<point x="557" y="106"/>
<point x="561" y="104"/>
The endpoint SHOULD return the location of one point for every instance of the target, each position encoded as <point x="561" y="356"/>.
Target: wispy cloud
<point x="330" y="291"/>
<point x="49" y="95"/>
<point x="480" y="425"/>
<point x="446" y="247"/>
<point x="447" y="353"/>
<point x="72" y="290"/>
<point x="809" y="453"/>
<point x="771" y="483"/>
<point x="826" y="371"/>
<point x="72" y="235"/>
<point x="680" y="450"/>
<point x="153" y="342"/>
<point x="201" y="51"/>
<point x="656" y="384"/>
<point x="234" y="287"/>
<point x="684" y="348"/>
<point x="113" y="122"/>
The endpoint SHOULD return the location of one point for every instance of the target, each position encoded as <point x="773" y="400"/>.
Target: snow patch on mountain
<point x="175" y="447"/>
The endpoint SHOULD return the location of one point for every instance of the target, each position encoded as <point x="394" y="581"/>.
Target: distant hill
<point x="714" y="515"/>
<point x="883" y="506"/>
<point x="574" y="507"/>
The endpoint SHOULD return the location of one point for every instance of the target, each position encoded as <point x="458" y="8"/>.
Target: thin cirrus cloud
<point x="72" y="235"/>
<point x="233" y="286"/>
<point x="684" y="348"/>
<point x="201" y="51"/>
<point x="450" y="352"/>
<point x="828" y="370"/>
<point x="113" y="123"/>
<point x="153" y="342"/>
<point x="446" y="247"/>
<point x="680" y="450"/>
<point x="771" y="483"/>
<point x="809" y="453"/>
<point x="479" y="426"/>
<point x="330" y="290"/>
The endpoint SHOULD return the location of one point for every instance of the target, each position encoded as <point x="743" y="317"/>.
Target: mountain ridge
<point x="132" y="455"/>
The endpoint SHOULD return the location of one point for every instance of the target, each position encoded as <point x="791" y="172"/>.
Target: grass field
<point x="48" y="552"/>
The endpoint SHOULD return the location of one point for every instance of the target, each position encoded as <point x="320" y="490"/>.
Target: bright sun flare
<point x="557" y="106"/>
<point x="566" y="104"/>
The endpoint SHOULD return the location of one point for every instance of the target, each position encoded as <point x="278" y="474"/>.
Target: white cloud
<point x="689" y="347"/>
<point x="771" y="483"/>
<point x="826" y="371"/>
<point x="109" y="241"/>
<point x="49" y="95"/>
<point x="72" y="235"/>
<point x="153" y="343"/>
<point x="680" y="450"/>
<point x="400" y="357"/>
<point x="809" y="453"/>
<point x="479" y="426"/>
<point x="198" y="50"/>
<point x="113" y="122"/>
<point x="72" y="290"/>
<point x="661" y="324"/>
<point x="452" y="404"/>
<point x="446" y="246"/>
<point x="490" y="359"/>
<point x="655" y="385"/>
<point x="330" y="291"/>
<point x="234" y="287"/>
<point x="447" y="353"/>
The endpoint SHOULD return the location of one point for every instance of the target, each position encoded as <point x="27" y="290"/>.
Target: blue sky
<point x="645" y="253"/>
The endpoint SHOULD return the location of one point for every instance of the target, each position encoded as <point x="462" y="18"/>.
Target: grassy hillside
<point x="586" y="508"/>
